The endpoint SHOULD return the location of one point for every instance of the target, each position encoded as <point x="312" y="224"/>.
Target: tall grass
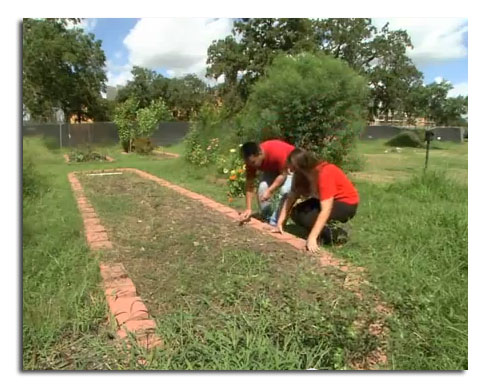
<point x="60" y="300"/>
<point x="413" y="238"/>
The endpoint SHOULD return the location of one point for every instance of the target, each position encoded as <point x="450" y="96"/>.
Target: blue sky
<point x="175" y="46"/>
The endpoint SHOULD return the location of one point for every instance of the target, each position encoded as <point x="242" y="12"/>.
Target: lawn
<point x="410" y="233"/>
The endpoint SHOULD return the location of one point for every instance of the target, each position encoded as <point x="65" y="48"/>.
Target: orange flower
<point x="230" y="200"/>
<point x="233" y="177"/>
<point x="240" y="170"/>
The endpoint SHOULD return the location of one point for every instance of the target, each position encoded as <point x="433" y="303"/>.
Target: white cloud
<point x="438" y="79"/>
<point x="87" y="25"/>
<point x="459" y="89"/>
<point x="118" y="75"/>
<point x="177" y="44"/>
<point x="435" y="40"/>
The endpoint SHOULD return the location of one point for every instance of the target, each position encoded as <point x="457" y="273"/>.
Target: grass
<point x="226" y="297"/>
<point x="62" y="305"/>
<point x="410" y="233"/>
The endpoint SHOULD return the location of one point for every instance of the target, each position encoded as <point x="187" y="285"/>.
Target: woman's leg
<point x="306" y="213"/>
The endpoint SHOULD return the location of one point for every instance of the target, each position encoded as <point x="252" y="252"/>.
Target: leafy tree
<point x="61" y="68"/>
<point x="141" y="87"/>
<point x="186" y="96"/>
<point x="133" y="122"/>
<point x="378" y="55"/>
<point x="148" y="118"/>
<point x="314" y="101"/>
<point x="125" y="120"/>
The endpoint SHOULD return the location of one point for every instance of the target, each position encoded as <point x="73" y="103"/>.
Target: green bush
<point x="212" y="133"/>
<point x="133" y="122"/>
<point x="406" y="139"/>
<point x="143" y="145"/>
<point x="81" y="155"/>
<point x="313" y="101"/>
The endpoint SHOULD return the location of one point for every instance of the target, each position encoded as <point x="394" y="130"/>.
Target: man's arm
<point x="278" y="181"/>
<point x="249" y="195"/>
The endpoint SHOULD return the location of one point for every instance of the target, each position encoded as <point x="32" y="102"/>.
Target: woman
<point x="333" y="197"/>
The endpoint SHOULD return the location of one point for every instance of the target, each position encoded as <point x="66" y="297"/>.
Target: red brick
<point x="112" y="293"/>
<point x="91" y="222"/>
<point x="113" y="271"/>
<point x="97" y="237"/>
<point x="283" y="237"/>
<point x="139" y="327"/>
<point x="95" y="228"/>
<point x="89" y="215"/>
<point x="86" y="208"/>
<point x="101" y="245"/>
<point x="300" y="244"/>
<point x="127" y="309"/>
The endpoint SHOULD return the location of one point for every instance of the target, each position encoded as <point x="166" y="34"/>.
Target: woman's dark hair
<point x="302" y="160"/>
<point x="250" y="149"/>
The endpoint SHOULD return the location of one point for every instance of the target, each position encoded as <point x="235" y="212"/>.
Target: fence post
<point x="61" y="140"/>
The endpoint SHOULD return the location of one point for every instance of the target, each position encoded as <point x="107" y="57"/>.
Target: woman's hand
<point x="312" y="245"/>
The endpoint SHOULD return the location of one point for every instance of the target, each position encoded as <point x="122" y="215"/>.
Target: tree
<point x="61" y="68"/>
<point x="436" y="101"/>
<point x="313" y="101"/>
<point x="133" y="122"/>
<point x="186" y="96"/>
<point x="141" y="87"/>
<point x="378" y="55"/>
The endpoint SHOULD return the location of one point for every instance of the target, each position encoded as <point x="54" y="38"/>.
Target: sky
<point x="177" y="46"/>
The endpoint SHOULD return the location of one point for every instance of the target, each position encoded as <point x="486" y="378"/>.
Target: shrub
<point x="143" y="145"/>
<point x="86" y="154"/>
<point x="406" y="139"/>
<point x="210" y="133"/>
<point x="311" y="100"/>
<point x="133" y="122"/>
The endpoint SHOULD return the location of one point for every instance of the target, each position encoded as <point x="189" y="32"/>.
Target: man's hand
<point x="265" y="196"/>
<point x="312" y="245"/>
<point x="245" y="215"/>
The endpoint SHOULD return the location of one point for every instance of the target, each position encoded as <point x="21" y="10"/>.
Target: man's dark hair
<point x="250" y="149"/>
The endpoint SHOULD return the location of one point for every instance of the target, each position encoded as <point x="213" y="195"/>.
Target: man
<point x="270" y="158"/>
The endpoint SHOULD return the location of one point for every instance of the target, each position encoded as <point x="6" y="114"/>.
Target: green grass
<point x="410" y="233"/>
<point x="63" y="307"/>
<point x="226" y="297"/>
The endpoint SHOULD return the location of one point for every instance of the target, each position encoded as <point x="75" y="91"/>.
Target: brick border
<point x="126" y="308"/>
<point x="169" y="154"/>
<point x="354" y="274"/>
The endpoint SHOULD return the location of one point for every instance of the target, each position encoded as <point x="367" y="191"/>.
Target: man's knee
<point x="262" y="187"/>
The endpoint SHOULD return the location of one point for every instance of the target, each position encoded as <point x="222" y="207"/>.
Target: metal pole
<point x="427" y="154"/>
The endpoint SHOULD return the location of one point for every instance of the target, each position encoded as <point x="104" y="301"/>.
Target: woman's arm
<point x="286" y="208"/>
<point x="321" y="220"/>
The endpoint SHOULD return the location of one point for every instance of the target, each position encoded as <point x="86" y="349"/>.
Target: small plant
<point x="236" y="175"/>
<point x="200" y="156"/>
<point x="83" y="155"/>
